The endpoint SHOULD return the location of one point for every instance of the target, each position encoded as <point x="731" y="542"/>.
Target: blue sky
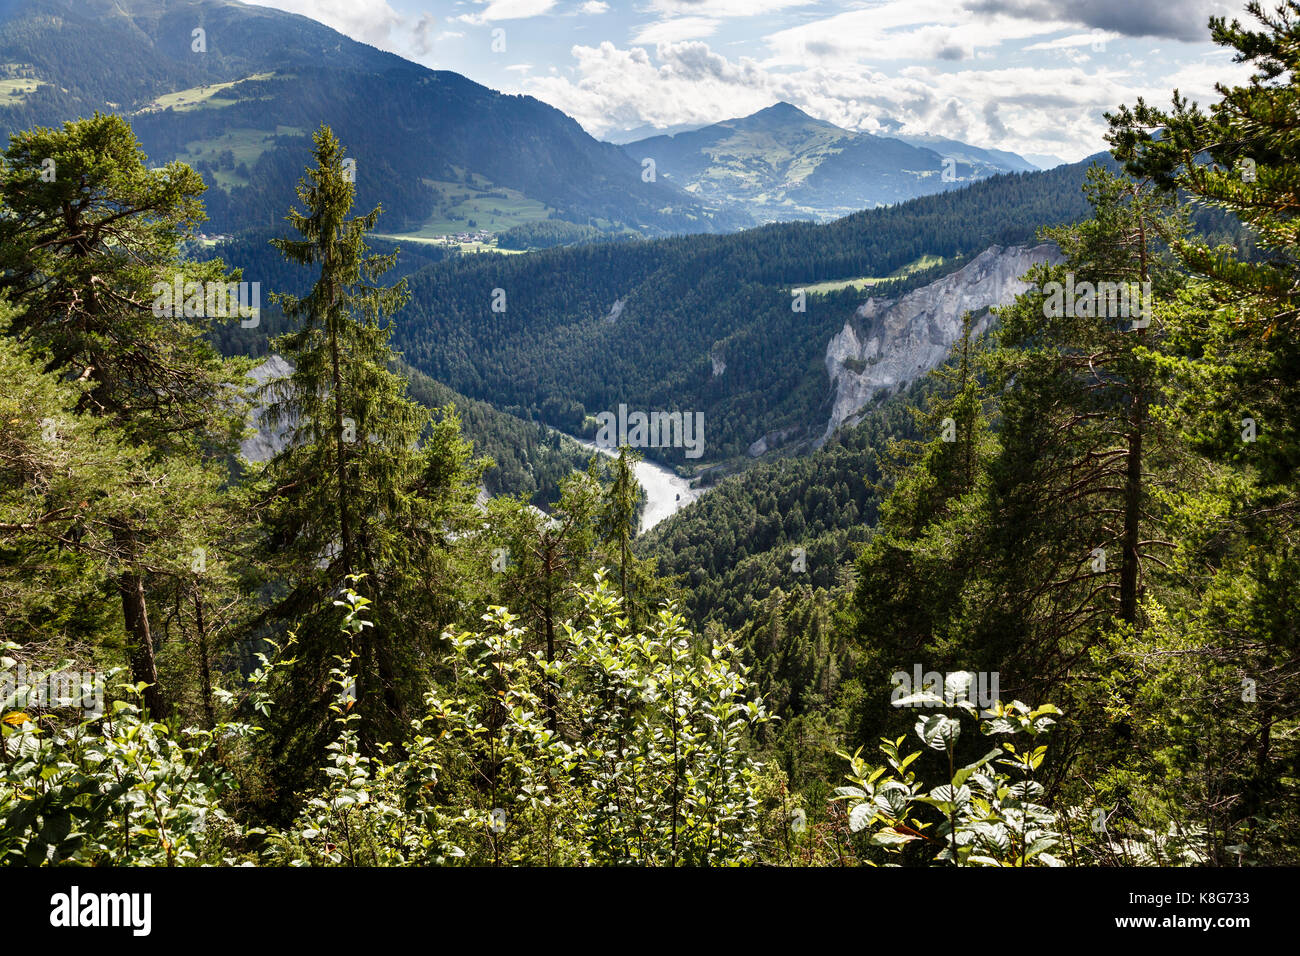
<point x="1032" y="76"/>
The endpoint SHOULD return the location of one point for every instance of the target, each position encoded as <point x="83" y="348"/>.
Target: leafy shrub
<point x="986" y="816"/>
<point x="109" y="789"/>
<point x="625" y="749"/>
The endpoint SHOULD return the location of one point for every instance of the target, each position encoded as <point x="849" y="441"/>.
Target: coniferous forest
<point x="1038" y="606"/>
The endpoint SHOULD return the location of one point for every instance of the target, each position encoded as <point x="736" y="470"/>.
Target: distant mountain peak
<point x="781" y="114"/>
<point x="779" y="108"/>
<point x="446" y="155"/>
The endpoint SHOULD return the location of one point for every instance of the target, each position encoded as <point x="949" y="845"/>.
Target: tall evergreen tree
<point x="541" y="561"/>
<point x="620" y="517"/>
<point x="1077" y="376"/>
<point x="1230" y="649"/>
<point x="352" y="493"/>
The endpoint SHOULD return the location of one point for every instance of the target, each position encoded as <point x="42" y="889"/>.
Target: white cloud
<point x="620" y="89"/>
<point x="1182" y="20"/>
<point x="507" y="10"/>
<point x="370" y="21"/>
<point x="724" y="8"/>
<point x="1196" y="80"/>
<point x="1094" y="40"/>
<point x="674" y="31"/>
<point x="421" y="36"/>
<point x="1012" y="74"/>
<point x="1053" y="108"/>
<point x="900" y="30"/>
<point x="516" y="9"/>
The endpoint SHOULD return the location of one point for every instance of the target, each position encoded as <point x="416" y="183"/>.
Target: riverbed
<point x="666" y="492"/>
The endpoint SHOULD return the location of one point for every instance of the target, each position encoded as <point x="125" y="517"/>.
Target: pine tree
<point x="620" y="515"/>
<point x="1078" y="381"/>
<point x="89" y="234"/>
<point x="56" y="466"/>
<point x="1228" y="647"/>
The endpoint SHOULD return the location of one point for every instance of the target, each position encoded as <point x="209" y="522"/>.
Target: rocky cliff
<point x="889" y="342"/>
<point x="266" y="441"/>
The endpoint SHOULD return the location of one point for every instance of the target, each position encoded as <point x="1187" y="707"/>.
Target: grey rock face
<point x="267" y="441"/>
<point x="772" y="439"/>
<point x="888" y="342"/>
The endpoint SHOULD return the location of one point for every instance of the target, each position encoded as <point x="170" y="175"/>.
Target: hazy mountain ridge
<point x="782" y="164"/>
<point x="965" y="152"/>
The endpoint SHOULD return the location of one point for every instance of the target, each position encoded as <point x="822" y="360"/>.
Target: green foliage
<point x="93" y="240"/>
<point x="734" y="546"/>
<point x="987" y="816"/>
<point x="644" y="764"/>
<point x="111" y="789"/>
<point x="96" y="239"/>
<point x="1218" y="701"/>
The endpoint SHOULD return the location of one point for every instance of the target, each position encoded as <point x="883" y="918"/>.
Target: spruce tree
<point x="541" y="561"/>
<point x="349" y="496"/>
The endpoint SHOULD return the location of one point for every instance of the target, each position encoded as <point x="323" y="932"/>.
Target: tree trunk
<point x="1128" y="577"/>
<point x="345" y="526"/>
<point x="205" y="674"/>
<point x="135" y="614"/>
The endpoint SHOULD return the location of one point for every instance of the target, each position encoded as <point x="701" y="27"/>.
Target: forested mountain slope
<point x="239" y="99"/>
<point x="736" y="544"/>
<point x="528" y="457"/>
<point x="582" y="329"/>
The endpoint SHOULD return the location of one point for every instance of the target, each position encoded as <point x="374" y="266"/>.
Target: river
<point x="666" y="492"/>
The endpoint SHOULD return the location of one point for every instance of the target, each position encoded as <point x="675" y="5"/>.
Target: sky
<point x="1031" y="76"/>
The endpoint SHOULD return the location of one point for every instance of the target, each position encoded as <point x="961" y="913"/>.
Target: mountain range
<point x="236" y="91"/>
<point x="698" y="323"/>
